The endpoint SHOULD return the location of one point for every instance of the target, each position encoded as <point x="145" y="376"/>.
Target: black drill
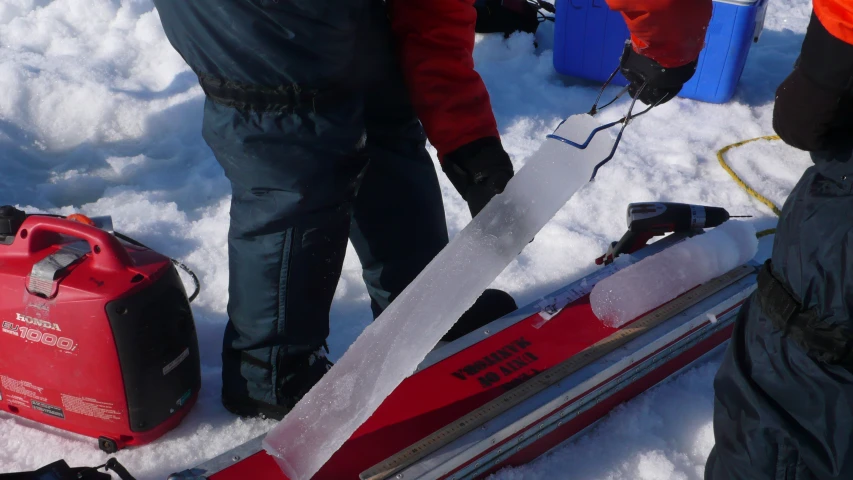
<point x="647" y="220"/>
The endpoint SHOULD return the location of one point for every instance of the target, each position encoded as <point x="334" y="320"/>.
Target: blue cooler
<point x="589" y="38"/>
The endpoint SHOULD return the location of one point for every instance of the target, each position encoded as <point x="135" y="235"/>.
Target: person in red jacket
<point x="318" y="112"/>
<point x="435" y="41"/>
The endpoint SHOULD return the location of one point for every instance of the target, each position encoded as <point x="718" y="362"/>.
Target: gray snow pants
<point x="784" y="392"/>
<point x="308" y="115"/>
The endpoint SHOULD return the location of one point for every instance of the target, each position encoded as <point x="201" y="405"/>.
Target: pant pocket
<point x="790" y="466"/>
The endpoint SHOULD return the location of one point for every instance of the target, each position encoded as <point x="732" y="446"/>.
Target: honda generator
<point x="97" y="333"/>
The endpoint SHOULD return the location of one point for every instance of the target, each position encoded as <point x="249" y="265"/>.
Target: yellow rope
<point x="761" y="198"/>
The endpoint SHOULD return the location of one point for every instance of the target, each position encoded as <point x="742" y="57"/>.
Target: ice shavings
<point x="657" y="279"/>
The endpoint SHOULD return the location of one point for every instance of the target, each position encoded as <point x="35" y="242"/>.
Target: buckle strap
<point x="243" y="96"/>
<point x="776" y="302"/>
<point x="51" y="268"/>
<point x="827" y="342"/>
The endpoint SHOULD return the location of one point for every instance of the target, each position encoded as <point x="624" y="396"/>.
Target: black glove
<point x="506" y="16"/>
<point x="492" y="305"/>
<point x="811" y="111"/>
<point x="662" y="84"/>
<point x="479" y="171"/>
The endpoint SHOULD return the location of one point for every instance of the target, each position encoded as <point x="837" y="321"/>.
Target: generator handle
<point x="107" y="253"/>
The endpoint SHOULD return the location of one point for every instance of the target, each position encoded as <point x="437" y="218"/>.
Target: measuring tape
<point x="517" y="395"/>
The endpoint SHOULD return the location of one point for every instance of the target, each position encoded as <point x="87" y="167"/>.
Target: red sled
<point x="510" y="392"/>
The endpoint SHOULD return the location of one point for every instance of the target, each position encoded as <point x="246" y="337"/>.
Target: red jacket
<point x="436" y="39"/>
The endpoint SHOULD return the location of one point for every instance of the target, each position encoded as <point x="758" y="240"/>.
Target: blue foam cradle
<point x="589" y="37"/>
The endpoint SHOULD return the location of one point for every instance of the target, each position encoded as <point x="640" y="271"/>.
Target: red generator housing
<point x="97" y="336"/>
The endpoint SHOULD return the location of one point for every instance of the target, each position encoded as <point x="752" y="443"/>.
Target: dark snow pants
<point x="307" y="113"/>
<point x="784" y="392"/>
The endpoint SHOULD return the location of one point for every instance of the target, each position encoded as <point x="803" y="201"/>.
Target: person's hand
<point x="479" y="171"/>
<point x="804" y="113"/>
<point x="661" y="84"/>
<point x="811" y="111"/>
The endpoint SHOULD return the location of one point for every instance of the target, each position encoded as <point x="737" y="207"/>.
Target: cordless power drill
<point x="647" y="220"/>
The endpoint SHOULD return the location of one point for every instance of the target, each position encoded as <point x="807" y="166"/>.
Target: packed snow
<point x="657" y="279"/>
<point x="99" y="115"/>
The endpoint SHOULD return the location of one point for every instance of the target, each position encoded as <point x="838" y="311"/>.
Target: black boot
<point x="297" y="374"/>
<point x="492" y="305"/>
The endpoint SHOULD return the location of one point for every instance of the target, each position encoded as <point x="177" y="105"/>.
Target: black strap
<point x="507" y="16"/>
<point x="547" y="6"/>
<point x="60" y="470"/>
<point x="825" y="341"/>
<point x="262" y="98"/>
<point x="123" y="474"/>
<point x="776" y="302"/>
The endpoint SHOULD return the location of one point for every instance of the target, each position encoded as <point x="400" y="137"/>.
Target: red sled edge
<point x="250" y="461"/>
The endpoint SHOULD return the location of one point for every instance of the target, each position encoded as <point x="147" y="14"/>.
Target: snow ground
<point x="98" y="114"/>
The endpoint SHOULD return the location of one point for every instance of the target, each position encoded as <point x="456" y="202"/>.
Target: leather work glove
<point x="812" y="104"/>
<point x="662" y="84"/>
<point x="479" y="171"/>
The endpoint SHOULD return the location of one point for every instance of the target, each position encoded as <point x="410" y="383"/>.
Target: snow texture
<point x="391" y="348"/>
<point x="657" y="279"/>
<point x="98" y="114"/>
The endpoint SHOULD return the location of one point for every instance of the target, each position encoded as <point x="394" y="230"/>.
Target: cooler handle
<point x="107" y="252"/>
<point x="760" y="17"/>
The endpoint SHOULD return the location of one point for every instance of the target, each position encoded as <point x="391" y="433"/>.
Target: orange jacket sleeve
<point x="836" y="16"/>
<point x="435" y="41"/>
<point x="670" y="32"/>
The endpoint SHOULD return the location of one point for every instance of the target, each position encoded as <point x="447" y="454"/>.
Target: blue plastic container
<point x="589" y="38"/>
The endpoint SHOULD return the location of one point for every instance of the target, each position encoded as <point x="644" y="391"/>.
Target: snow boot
<point x="299" y="373"/>
<point x="492" y="305"/>
<point x="302" y="372"/>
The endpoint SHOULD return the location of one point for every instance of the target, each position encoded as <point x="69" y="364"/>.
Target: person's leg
<point x="399" y="221"/>
<point x="784" y="391"/>
<point x="284" y="118"/>
<point x="745" y="444"/>
<point x="290" y="218"/>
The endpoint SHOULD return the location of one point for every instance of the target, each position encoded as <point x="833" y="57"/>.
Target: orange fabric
<point x="836" y="16"/>
<point x="435" y="40"/>
<point x="80" y="218"/>
<point x="671" y="32"/>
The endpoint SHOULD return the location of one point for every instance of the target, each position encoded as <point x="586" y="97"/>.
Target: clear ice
<point x="391" y="348"/>
<point x="657" y="279"/>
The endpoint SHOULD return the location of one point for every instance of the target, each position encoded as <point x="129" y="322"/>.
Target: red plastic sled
<point x="508" y="393"/>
